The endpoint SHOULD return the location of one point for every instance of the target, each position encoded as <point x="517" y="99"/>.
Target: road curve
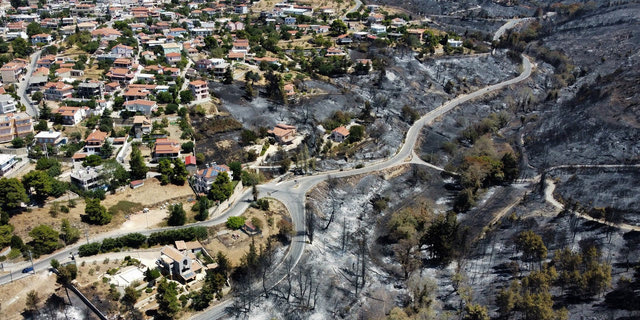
<point x="292" y="193"/>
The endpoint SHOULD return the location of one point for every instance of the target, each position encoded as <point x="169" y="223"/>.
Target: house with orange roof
<point x="93" y="143"/>
<point x="173" y="57"/>
<point x="339" y="134"/>
<point x="70" y="115"/>
<point x="41" y="38"/>
<point x="106" y="34"/>
<point x="200" y="89"/>
<point x="283" y="133"/>
<point x="12" y="71"/>
<point x="166" y="148"/>
<point x="58" y="91"/>
<point x="120" y="74"/>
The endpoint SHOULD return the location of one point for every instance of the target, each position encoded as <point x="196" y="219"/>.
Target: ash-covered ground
<point x="335" y="257"/>
<point x="405" y="82"/>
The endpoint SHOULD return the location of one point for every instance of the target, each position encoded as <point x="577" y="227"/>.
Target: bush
<point x="235" y="223"/>
<point x="89" y="249"/>
<point x="263" y="204"/>
<point x="170" y="236"/>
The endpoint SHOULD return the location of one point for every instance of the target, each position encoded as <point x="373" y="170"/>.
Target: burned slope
<point x="595" y="120"/>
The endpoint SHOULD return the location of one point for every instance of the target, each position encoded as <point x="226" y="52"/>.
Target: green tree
<point x="41" y="126"/>
<point x="106" y="151"/>
<point x="138" y="166"/>
<point x="45" y="239"/>
<point x="40" y="182"/>
<point x="50" y="165"/>
<point x="510" y="167"/>
<point x="186" y="96"/>
<point x="356" y="133"/>
<point x="531" y="246"/>
<point x="32" y="300"/>
<point x="5" y="235"/>
<point x="37" y="97"/>
<point x="180" y="172"/>
<point x="235" y="223"/>
<point x="177" y="215"/>
<point x="17" y="142"/>
<point x="476" y="312"/>
<point x="236" y="170"/>
<point x="93" y="160"/>
<point x="164" y="97"/>
<point x="34" y="28"/>
<point x="228" y="76"/>
<point x="69" y="233"/>
<point x="337" y="27"/>
<point x="21" y="48"/>
<point x="166" y="171"/>
<point x="203" y="209"/>
<point x="187" y="147"/>
<point x="441" y="237"/>
<point x="12" y="194"/>
<point x="222" y="188"/>
<point x="130" y="296"/>
<point x="96" y="213"/>
<point x="167" y="298"/>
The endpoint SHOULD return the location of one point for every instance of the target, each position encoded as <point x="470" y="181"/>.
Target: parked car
<point x="27" y="269"/>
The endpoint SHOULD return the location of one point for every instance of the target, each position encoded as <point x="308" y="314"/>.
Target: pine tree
<point x="138" y="166"/>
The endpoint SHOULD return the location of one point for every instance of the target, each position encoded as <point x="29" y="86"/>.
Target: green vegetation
<point x="45" y="239"/>
<point x="174" y="171"/>
<point x="177" y="215"/>
<point x="95" y="213"/>
<point x="235" y="223"/>
<point x="222" y="188"/>
<point x="138" y="166"/>
<point x="12" y="193"/>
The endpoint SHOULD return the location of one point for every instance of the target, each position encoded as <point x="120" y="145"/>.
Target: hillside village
<point x="171" y="159"/>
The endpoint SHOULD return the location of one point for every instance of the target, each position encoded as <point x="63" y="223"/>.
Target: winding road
<point x="293" y="194"/>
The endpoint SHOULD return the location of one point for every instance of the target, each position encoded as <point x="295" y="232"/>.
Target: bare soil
<point x="236" y="247"/>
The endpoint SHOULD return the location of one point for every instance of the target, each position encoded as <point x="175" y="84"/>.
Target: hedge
<point x="136" y="240"/>
<point x="170" y="236"/>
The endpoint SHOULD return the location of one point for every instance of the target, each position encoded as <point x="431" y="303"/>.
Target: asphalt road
<point x="22" y="85"/>
<point x="293" y="192"/>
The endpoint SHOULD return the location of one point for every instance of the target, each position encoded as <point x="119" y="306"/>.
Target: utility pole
<point x="86" y="233"/>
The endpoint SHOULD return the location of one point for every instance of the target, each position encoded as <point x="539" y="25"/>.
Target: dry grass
<point x="151" y="195"/>
<point x="13" y="296"/>
<point x="236" y="248"/>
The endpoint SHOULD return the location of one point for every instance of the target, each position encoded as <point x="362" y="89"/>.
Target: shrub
<point x="235" y="223"/>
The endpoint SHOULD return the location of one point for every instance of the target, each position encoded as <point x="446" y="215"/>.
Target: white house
<point x="88" y="178"/>
<point x="122" y="50"/>
<point x="454" y="43"/>
<point x="41" y="38"/>
<point x="7" y="104"/>
<point x="143" y="106"/>
<point x="48" y="137"/>
<point x="7" y="162"/>
<point x="378" y="28"/>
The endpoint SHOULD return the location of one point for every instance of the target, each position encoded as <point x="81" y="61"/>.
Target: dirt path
<point x="548" y="195"/>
